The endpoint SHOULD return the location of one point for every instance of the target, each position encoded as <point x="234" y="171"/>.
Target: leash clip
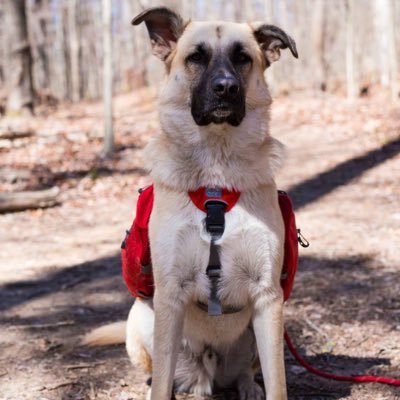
<point x="302" y="240"/>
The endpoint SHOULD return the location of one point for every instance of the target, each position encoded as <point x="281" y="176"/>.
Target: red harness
<point x="135" y="250"/>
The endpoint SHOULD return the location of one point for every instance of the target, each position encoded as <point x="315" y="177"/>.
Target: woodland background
<point x="78" y="95"/>
<point x="53" y="49"/>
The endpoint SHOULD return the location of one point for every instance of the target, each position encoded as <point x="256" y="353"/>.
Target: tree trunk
<point x="318" y="39"/>
<point x="394" y="86"/>
<point x="18" y="71"/>
<point x="351" y="87"/>
<point x="382" y="39"/>
<point x="73" y="50"/>
<point x="39" y="28"/>
<point x="107" y="78"/>
<point x="3" y="53"/>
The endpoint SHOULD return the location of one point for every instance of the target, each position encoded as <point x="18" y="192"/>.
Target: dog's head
<point x="215" y="69"/>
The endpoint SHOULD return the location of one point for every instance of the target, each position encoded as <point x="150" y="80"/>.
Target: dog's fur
<point x="213" y="136"/>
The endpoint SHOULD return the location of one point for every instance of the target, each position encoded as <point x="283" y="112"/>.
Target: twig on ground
<point x="58" y="385"/>
<point x="84" y="365"/>
<point x="20" y="201"/>
<point x="12" y="135"/>
<point x="315" y="328"/>
<point x="50" y="325"/>
<point x="92" y="392"/>
<point x="42" y="326"/>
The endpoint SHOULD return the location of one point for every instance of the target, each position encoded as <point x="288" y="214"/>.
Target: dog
<point x="214" y="114"/>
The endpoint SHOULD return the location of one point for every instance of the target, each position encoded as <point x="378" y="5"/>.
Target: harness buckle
<point x="215" y="219"/>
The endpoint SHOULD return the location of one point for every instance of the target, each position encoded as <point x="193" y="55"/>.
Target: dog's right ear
<point x="164" y="26"/>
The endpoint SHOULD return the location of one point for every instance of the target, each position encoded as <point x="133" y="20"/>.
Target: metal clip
<point x="302" y="240"/>
<point x="123" y="244"/>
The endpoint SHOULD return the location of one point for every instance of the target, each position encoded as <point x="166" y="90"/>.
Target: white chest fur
<point x="250" y="250"/>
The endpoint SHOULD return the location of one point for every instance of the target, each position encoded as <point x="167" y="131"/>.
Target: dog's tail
<point x="114" y="333"/>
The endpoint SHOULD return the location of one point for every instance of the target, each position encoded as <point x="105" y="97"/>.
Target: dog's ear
<point x="272" y="39"/>
<point x="164" y="26"/>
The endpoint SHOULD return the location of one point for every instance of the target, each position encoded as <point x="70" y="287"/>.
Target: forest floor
<point x="60" y="269"/>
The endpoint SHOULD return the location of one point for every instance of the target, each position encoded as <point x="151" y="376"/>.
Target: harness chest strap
<point x="214" y="202"/>
<point x="215" y="226"/>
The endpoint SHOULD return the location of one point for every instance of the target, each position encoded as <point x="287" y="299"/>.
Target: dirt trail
<point x="60" y="272"/>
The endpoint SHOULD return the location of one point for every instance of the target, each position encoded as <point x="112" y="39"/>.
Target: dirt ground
<point x="60" y="269"/>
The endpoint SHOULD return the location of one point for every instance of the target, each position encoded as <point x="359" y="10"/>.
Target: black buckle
<point x="215" y="219"/>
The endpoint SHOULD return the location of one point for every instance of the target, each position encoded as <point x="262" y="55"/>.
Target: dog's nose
<point x="225" y="86"/>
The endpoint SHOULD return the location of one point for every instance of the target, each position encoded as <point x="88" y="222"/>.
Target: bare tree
<point x="394" y="86"/>
<point x="18" y="71"/>
<point x="2" y="46"/>
<point x="351" y="87"/>
<point x="73" y="50"/>
<point x="107" y="78"/>
<point x="318" y="33"/>
<point x="381" y="41"/>
<point x="39" y="38"/>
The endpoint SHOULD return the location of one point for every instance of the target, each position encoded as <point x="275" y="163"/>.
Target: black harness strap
<point x="215" y="226"/>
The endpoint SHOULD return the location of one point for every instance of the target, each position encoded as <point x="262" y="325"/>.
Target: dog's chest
<point x="250" y="249"/>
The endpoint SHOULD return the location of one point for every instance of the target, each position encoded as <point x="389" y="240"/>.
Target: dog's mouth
<point x="221" y="112"/>
<point x="219" y="115"/>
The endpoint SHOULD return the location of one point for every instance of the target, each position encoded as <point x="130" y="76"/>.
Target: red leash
<point x="328" y="375"/>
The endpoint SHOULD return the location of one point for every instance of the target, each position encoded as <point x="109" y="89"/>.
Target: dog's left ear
<point x="271" y="40"/>
<point x="164" y="27"/>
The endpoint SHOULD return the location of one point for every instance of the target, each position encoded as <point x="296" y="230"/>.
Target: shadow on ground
<point x="349" y="289"/>
<point x="322" y="184"/>
<point x="73" y="279"/>
<point x="341" y="284"/>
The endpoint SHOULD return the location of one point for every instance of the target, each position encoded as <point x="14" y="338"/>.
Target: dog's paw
<point x="148" y="396"/>
<point x="250" y="390"/>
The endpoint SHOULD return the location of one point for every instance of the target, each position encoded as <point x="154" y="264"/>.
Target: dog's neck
<point x="185" y="156"/>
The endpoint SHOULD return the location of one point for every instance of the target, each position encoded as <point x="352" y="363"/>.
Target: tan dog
<point x="214" y="115"/>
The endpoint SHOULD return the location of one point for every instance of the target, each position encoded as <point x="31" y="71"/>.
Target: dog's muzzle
<point x="220" y="100"/>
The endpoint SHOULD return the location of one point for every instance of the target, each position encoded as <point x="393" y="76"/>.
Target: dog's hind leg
<point x="196" y="368"/>
<point x="139" y="334"/>
<point x="236" y="368"/>
<point x="248" y="389"/>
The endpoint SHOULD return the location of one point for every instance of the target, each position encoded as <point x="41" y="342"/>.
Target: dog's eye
<point x="197" y="57"/>
<point x="242" y="58"/>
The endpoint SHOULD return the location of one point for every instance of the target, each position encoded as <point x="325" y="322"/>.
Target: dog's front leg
<point x="268" y="329"/>
<point x="168" y="324"/>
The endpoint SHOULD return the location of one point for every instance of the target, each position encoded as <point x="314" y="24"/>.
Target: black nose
<point x="225" y="86"/>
